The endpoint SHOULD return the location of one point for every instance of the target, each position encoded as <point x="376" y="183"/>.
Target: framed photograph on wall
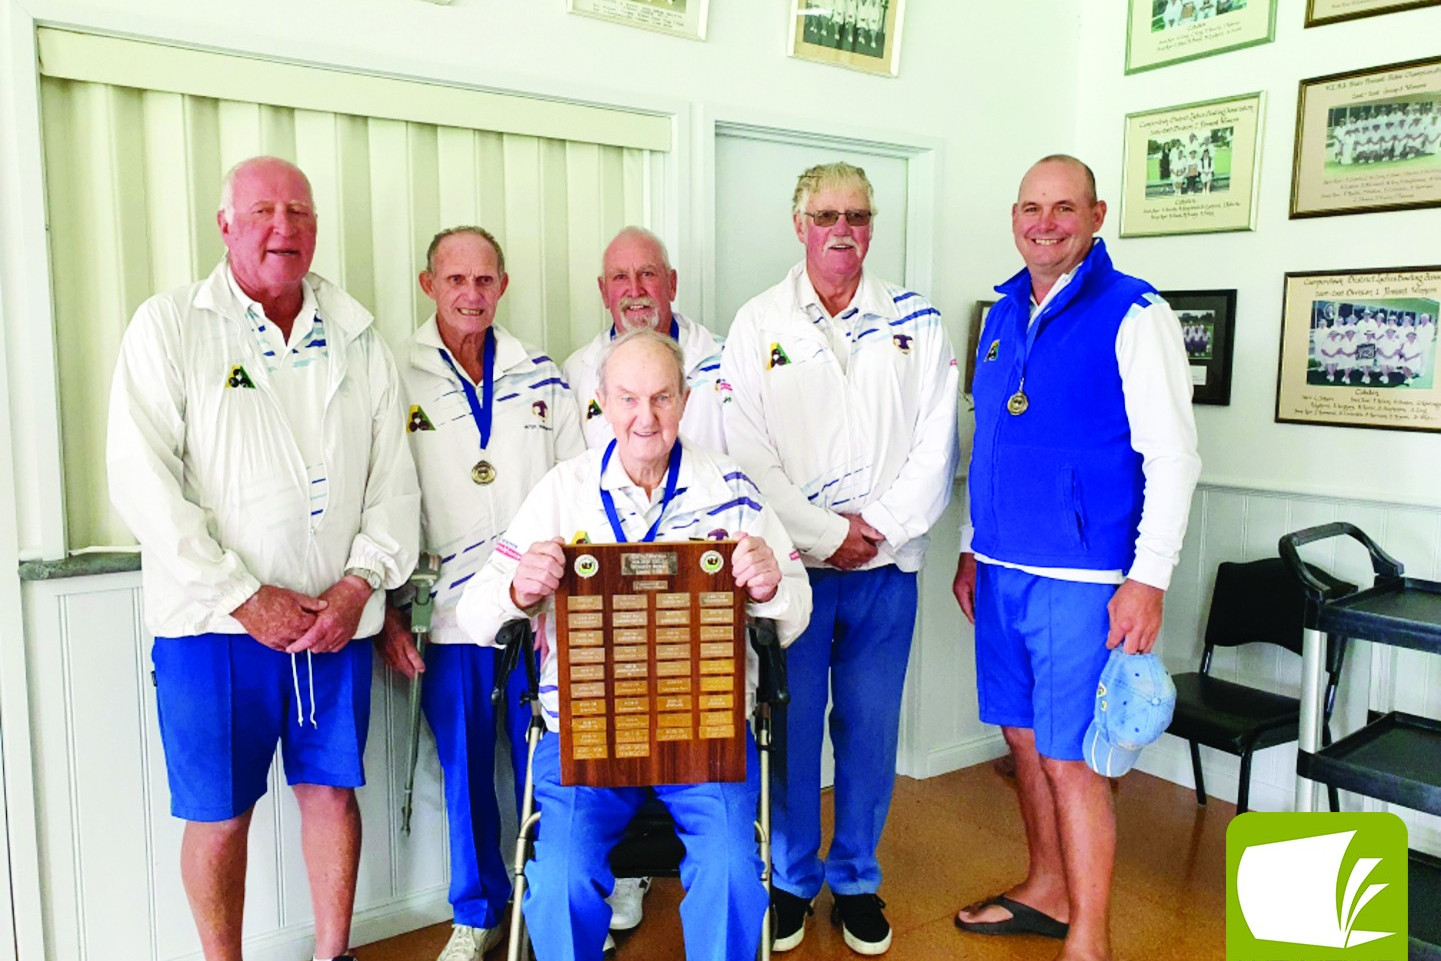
<point x="973" y="341"/>
<point x="1367" y="140"/>
<point x="1358" y="349"/>
<point x="1208" y="329"/>
<point x="1161" y="32"/>
<point x="859" y="34"/>
<point x="679" y="18"/>
<point x="1321" y="12"/>
<point x="1192" y="169"/>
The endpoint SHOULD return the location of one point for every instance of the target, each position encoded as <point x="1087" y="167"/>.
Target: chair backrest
<point x="1260" y="602"/>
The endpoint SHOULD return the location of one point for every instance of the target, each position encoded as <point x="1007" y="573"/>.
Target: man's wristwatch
<point x="366" y="575"/>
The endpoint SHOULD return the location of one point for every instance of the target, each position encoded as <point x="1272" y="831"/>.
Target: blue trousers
<point x="570" y="877"/>
<point x="459" y="679"/>
<point x="855" y="650"/>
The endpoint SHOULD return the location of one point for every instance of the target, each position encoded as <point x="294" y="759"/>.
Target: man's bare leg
<point x="1044" y="887"/>
<point x="330" y="837"/>
<point x="1087" y="824"/>
<point x="212" y="868"/>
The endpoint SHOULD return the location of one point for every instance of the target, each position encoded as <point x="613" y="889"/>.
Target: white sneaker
<point x="625" y="902"/>
<point x="608" y="950"/>
<point x="470" y="944"/>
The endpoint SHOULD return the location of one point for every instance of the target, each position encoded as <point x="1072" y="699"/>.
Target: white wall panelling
<point x="109" y="847"/>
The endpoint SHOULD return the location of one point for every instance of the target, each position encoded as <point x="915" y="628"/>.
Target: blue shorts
<point x="225" y="699"/>
<point x="1040" y="648"/>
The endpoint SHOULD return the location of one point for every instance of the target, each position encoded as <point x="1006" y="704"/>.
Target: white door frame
<point x="923" y="158"/>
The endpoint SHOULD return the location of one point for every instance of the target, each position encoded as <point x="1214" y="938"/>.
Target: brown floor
<point x="954" y="839"/>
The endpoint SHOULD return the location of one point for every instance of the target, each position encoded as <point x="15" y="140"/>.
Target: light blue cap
<point x="1134" y="704"/>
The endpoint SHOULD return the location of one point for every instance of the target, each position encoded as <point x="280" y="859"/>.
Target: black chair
<point x="1260" y="602"/>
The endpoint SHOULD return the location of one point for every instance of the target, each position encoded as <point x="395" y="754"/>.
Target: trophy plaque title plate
<point x="652" y="663"/>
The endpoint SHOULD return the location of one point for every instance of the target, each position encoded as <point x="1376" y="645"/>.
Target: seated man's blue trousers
<point x="855" y="652"/>
<point x="459" y="679"/>
<point x="569" y="879"/>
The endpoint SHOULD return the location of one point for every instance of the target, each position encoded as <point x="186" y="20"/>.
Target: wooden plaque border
<point x="602" y="571"/>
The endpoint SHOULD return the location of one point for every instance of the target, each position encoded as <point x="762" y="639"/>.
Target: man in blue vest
<point x="1080" y="487"/>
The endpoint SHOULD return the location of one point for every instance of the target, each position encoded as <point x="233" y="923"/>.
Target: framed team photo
<point x="1321" y="12"/>
<point x="973" y="341"/>
<point x="1208" y="329"/>
<point x="1358" y="349"/>
<point x="679" y="18"/>
<point x="1161" y="32"/>
<point x="1368" y="140"/>
<point x="1192" y="169"/>
<point x="859" y="34"/>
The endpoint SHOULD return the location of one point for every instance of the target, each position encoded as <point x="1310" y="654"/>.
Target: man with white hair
<point x="637" y="285"/>
<point x="644" y="485"/>
<point x="487" y="417"/>
<point x="257" y="452"/>
<point x="844" y="395"/>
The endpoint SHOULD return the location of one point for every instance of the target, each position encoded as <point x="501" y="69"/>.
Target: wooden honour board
<point x="652" y="665"/>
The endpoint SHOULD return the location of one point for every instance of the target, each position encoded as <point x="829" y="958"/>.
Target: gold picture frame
<point x="1358" y="349"/>
<point x="1367" y="140"/>
<point x="1321" y="12"/>
<point x="1163" y="32"/>
<point x="678" y="18"/>
<point x="1192" y="169"/>
<point x="861" y="35"/>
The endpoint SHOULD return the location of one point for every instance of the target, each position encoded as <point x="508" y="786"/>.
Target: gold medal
<point x="1017" y="403"/>
<point x="482" y="472"/>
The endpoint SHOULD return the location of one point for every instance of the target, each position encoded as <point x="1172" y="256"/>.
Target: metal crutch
<point x="427" y="572"/>
<point x="518" y="643"/>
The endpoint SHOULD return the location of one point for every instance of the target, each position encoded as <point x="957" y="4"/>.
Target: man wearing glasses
<point x="839" y="395"/>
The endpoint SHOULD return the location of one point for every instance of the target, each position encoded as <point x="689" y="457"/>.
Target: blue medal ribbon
<point x="672" y="475"/>
<point x="481" y="408"/>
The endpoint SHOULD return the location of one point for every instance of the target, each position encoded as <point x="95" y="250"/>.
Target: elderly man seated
<point x="641" y="487"/>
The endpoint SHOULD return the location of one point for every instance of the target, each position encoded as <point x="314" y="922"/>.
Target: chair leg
<point x="1243" y="793"/>
<point x="1196" y="770"/>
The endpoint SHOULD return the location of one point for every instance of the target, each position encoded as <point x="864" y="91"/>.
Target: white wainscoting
<point x="1241" y="525"/>
<point x="110" y="850"/>
<point x="109" y="847"/>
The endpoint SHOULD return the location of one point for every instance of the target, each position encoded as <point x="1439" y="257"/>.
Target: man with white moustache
<point x="843" y="409"/>
<point x="637" y="286"/>
<point x="487" y="416"/>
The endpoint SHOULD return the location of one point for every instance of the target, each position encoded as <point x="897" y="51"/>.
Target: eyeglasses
<point x="828" y="218"/>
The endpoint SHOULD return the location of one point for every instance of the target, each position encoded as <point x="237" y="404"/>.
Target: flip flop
<point x="1024" y="919"/>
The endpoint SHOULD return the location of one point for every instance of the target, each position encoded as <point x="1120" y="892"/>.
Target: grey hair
<point x="227" y="183"/>
<point x="648" y="335"/>
<point x="480" y="232"/>
<point x="1075" y="162"/>
<point x="831" y="176"/>
<point x="643" y="233"/>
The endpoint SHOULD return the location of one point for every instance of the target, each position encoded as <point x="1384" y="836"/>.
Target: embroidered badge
<point x="994" y="350"/>
<point x="418" y="420"/>
<point x="778" y="357"/>
<point x="593" y="410"/>
<point x="902" y="342"/>
<point x="239" y="378"/>
<point x="539" y="409"/>
<point x="719" y="534"/>
<point x="581" y="537"/>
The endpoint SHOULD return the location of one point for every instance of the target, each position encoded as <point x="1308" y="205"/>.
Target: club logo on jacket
<point x="417" y="420"/>
<point x="592" y="409"/>
<point x="719" y="534"/>
<point x="539" y="409"/>
<point x="902" y="342"/>
<point x="239" y="378"/>
<point x="994" y="350"/>
<point x="778" y="357"/>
